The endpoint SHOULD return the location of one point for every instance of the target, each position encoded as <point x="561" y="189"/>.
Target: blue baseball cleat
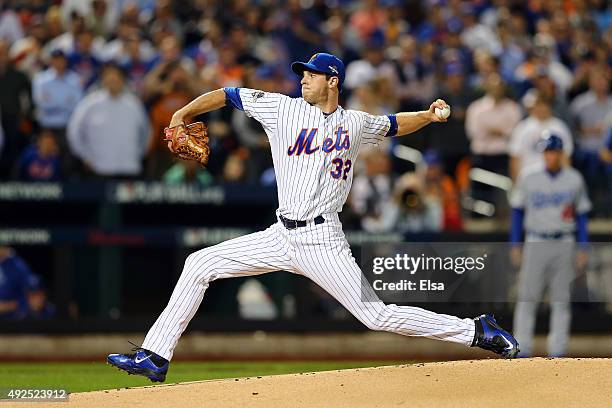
<point x="490" y="336"/>
<point x="141" y="363"/>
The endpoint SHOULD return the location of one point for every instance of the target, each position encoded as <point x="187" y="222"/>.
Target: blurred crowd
<point x="23" y="294"/>
<point x="87" y="87"/>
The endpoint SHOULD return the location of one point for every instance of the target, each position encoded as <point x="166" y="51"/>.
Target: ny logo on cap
<point x="313" y="57"/>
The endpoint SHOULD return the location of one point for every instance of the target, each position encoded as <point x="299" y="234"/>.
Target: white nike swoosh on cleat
<point x="507" y="341"/>
<point x="137" y="360"/>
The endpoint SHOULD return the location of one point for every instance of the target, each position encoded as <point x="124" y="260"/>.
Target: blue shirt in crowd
<point x="34" y="167"/>
<point x="15" y="280"/>
<point x="55" y="97"/>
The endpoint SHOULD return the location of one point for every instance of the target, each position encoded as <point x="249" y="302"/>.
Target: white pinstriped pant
<point x="319" y="252"/>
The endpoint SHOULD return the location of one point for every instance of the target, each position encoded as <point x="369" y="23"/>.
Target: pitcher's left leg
<point x="328" y="261"/>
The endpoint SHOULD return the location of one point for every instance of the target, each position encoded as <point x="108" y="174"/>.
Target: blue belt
<point x="293" y="224"/>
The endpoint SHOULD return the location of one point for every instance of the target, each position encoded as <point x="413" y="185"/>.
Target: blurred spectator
<point x="26" y="53"/>
<point x="373" y="65"/>
<point x="439" y="187"/>
<point x="14" y="105"/>
<point x="101" y="14"/>
<point x="15" y="277"/>
<point x="169" y="88"/>
<point x="103" y="17"/>
<point x="397" y="20"/>
<point x="170" y="51"/>
<point x="206" y="51"/>
<point x="561" y="30"/>
<point x="239" y="41"/>
<point x="234" y="170"/>
<point x="39" y="306"/>
<point x="513" y="50"/>
<point x="541" y="58"/>
<point x="227" y="72"/>
<point x="109" y="130"/>
<point x="583" y="64"/>
<point x="368" y="18"/>
<point x="485" y="64"/>
<point x="83" y="61"/>
<point x="416" y="81"/>
<point x="373" y="188"/>
<point x="10" y="24"/>
<point x="589" y="111"/>
<point x="335" y="42"/>
<point x="223" y="143"/>
<point x="66" y="42"/>
<point x="188" y="172"/>
<point x="410" y="210"/>
<point x="450" y="141"/>
<point x="489" y="122"/>
<point x="123" y="49"/>
<point x="545" y="86"/>
<point x="454" y="52"/>
<point x="56" y="91"/>
<point x="433" y="27"/>
<point x="135" y="63"/>
<point x="164" y="22"/>
<point x="475" y="35"/>
<point x="374" y="96"/>
<point x="41" y="160"/>
<point x="415" y="207"/>
<point x="249" y="131"/>
<point x="527" y="133"/>
<point x="53" y="22"/>
<point x="298" y="28"/>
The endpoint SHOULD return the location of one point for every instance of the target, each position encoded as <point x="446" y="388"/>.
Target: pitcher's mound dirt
<point x="534" y="382"/>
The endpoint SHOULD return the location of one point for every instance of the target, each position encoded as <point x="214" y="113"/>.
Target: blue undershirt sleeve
<point x="516" y="225"/>
<point x="393" y="129"/>
<point x="232" y="98"/>
<point x="582" y="235"/>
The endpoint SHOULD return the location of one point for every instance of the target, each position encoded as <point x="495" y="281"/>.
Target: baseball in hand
<point x="443" y="113"/>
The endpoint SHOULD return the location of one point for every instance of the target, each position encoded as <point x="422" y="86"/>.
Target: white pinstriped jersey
<point x="313" y="155"/>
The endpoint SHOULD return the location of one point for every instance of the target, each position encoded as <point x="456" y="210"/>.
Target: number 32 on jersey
<point x="341" y="168"/>
<point x="303" y="144"/>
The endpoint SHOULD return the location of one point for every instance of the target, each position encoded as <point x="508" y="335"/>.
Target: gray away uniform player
<point x="314" y="144"/>
<point x="552" y="204"/>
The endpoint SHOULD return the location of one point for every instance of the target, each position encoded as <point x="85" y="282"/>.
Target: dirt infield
<point x="534" y="382"/>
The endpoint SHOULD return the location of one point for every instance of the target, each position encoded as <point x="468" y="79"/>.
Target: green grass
<point x="78" y="377"/>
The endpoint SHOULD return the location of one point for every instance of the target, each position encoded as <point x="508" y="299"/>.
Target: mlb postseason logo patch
<point x="256" y="95"/>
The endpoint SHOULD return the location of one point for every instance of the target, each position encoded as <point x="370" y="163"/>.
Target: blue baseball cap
<point x="552" y="142"/>
<point x="323" y="63"/>
<point x="58" y="52"/>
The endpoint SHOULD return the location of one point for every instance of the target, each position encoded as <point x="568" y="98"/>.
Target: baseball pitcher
<point x="314" y="144"/>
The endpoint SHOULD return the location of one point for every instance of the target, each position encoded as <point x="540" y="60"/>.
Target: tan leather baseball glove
<point x="189" y="142"/>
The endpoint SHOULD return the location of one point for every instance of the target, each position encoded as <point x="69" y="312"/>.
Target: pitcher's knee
<point x="198" y="266"/>
<point x="373" y="325"/>
<point x="379" y="320"/>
